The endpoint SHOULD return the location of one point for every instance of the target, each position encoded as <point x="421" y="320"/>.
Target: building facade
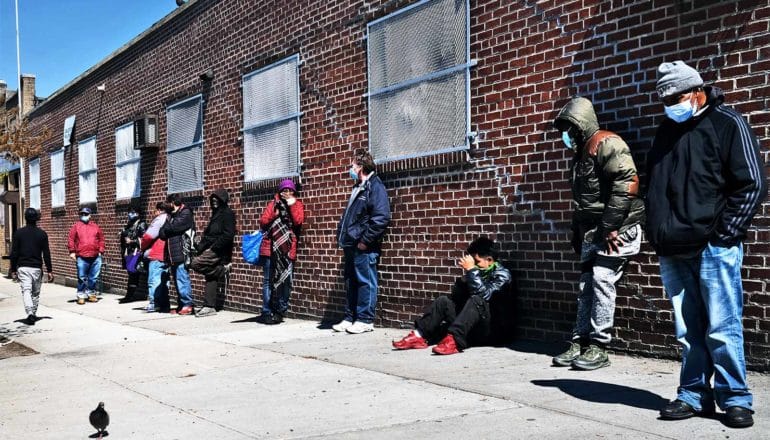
<point x="454" y="99"/>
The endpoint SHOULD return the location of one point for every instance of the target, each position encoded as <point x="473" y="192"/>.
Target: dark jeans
<point x="210" y="266"/>
<point x="465" y="318"/>
<point x="133" y="284"/>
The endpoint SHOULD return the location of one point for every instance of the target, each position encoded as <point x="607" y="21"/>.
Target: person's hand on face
<point x="288" y="195"/>
<point x="467" y="262"/>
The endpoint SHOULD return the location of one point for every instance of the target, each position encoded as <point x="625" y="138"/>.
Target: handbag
<point x="251" y="244"/>
<point x="131" y="261"/>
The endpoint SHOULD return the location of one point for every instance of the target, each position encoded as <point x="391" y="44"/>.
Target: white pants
<point x="30" y="279"/>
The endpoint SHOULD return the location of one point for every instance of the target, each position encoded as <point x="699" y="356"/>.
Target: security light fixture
<point x="208" y="75"/>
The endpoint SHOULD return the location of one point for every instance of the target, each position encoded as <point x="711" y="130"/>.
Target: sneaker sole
<point x="591" y="367"/>
<point x="562" y="363"/>
<point x="359" y="332"/>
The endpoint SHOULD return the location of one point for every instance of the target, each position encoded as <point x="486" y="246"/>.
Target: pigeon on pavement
<point x="99" y="419"/>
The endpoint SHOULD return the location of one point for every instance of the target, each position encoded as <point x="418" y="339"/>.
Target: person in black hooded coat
<point x="215" y="249"/>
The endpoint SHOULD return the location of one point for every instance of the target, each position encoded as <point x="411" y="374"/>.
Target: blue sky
<point x="60" y="39"/>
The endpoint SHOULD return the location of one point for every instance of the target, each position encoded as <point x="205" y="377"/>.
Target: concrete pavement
<point x="226" y="376"/>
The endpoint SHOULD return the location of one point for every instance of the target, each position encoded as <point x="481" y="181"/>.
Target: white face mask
<point x="85" y="218"/>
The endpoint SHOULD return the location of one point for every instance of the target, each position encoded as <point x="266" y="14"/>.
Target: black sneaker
<point x="30" y="320"/>
<point x="738" y="417"/>
<point x="273" y="319"/>
<point x="593" y="358"/>
<point x="677" y="410"/>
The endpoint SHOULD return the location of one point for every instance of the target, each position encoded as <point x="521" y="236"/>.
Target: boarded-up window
<point x="34" y="184"/>
<point x="127" y="164"/>
<point x="57" y="179"/>
<point x="419" y="80"/>
<point x="184" y="145"/>
<point x="87" y="170"/>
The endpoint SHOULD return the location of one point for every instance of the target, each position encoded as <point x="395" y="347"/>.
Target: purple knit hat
<point x="287" y="183"/>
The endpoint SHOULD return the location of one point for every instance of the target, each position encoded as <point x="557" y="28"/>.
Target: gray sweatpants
<point x="30" y="280"/>
<point x="596" y="299"/>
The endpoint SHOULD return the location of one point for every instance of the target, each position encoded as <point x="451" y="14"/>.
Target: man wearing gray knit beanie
<point x="706" y="182"/>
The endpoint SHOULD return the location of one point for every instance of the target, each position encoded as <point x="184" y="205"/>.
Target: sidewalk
<point x="226" y="376"/>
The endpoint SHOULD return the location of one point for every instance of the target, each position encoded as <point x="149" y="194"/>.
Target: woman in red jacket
<point x="282" y="221"/>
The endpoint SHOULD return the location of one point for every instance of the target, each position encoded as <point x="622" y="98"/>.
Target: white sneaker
<point x="342" y="325"/>
<point x="360" y="327"/>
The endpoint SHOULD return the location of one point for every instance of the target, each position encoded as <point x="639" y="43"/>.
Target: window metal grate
<point x="34" y="184"/>
<point x="57" y="178"/>
<point x="127" y="164"/>
<point x="419" y="80"/>
<point x="87" y="170"/>
<point x="185" y="145"/>
<point x="271" y="120"/>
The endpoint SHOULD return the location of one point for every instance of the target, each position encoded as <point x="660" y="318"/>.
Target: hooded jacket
<point x="173" y="232"/>
<point x="603" y="175"/>
<point x="706" y="180"/>
<point x="86" y="239"/>
<point x="366" y="216"/>
<point x="219" y="233"/>
<point x="152" y="245"/>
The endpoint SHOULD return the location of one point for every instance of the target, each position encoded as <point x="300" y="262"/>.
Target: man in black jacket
<point x="706" y="182"/>
<point x="28" y="252"/>
<point x="359" y="234"/>
<point x="178" y="232"/>
<point x="215" y="249"/>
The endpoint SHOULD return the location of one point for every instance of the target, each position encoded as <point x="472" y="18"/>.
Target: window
<point x="34" y="184"/>
<point x="127" y="164"/>
<point x="87" y="170"/>
<point x="57" y="179"/>
<point x="185" y="145"/>
<point x="271" y="121"/>
<point x="419" y="80"/>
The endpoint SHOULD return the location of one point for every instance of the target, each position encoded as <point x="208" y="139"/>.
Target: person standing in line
<point x="153" y="248"/>
<point x="282" y="219"/>
<point x="130" y="241"/>
<point x="177" y="233"/>
<point x="28" y="253"/>
<point x="86" y="246"/>
<point x="214" y="251"/>
<point x="359" y="234"/>
<point x="606" y="229"/>
<point x="706" y="182"/>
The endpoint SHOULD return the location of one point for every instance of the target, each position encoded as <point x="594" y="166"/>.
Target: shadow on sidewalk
<point x="600" y="392"/>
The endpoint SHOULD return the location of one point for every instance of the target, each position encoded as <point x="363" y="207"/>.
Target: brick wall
<point x="511" y="186"/>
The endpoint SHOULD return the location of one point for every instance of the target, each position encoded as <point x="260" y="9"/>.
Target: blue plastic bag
<point x="250" y="248"/>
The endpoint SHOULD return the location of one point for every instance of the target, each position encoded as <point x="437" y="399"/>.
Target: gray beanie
<point x="675" y="78"/>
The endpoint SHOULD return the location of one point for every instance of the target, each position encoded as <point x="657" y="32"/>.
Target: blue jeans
<point x="157" y="282"/>
<point x="707" y="297"/>
<point x="183" y="287"/>
<point x="281" y="304"/>
<point x="264" y="261"/>
<point x="361" y="285"/>
<point x="89" y="269"/>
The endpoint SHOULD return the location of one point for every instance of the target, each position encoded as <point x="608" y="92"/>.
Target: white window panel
<point x="271" y="120"/>
<point x="184" y="146"/>
<point x="34" y="184"/>
<point x="419" y="80"/>
<point x="127" y="164"/>
<point x="87" y="170"/>
<point x="58" y="196"/>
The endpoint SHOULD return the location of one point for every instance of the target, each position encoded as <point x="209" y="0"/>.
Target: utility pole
<point x="22" y="180"/>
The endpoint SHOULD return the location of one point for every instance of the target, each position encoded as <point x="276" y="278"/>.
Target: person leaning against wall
<point x="706" y="182"/>
<point x="282" y="220"/>
<point x="86" y="246"/>
<point x="606" y="228"/>
<point x="359" y="234"/>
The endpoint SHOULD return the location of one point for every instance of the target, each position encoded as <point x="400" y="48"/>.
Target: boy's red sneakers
<point x="410" y="341"/>
<point x="446" y="346"/>
<point x="186" y="310"/>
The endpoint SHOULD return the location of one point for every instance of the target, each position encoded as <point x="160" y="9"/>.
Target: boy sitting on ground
<point x="474" y="313"/>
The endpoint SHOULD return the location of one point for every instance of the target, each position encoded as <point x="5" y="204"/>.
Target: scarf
<point x="281" y="236"/>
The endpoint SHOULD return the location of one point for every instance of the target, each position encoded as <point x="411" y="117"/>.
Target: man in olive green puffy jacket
<point x="606" y="227"/>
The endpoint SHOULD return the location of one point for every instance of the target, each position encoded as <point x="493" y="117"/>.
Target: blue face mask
<point x="568" y="142"/>
<point x="680" y="112"/>
<point x="353" y="175"/>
